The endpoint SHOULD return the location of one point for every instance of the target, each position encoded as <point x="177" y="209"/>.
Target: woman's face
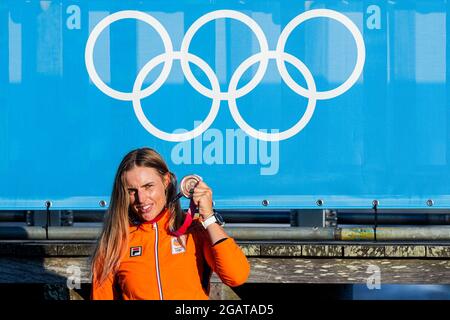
<point x="146" y="189"/>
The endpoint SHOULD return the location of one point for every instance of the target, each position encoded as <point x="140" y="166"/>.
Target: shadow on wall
<point x="402" y="292"/>
<point x="25" y="273"/>
<point x="41" y="292"/>
<point x="342" y="292"/>
<point x="286" y="291"/>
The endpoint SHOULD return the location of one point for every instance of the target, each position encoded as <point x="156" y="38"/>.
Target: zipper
<point x="158" y="276"/>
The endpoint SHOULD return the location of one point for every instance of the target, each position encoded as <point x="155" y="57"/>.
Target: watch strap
<point x="208" y="221"/>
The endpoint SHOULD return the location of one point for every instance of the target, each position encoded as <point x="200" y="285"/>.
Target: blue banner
<point x="275" y="103"/>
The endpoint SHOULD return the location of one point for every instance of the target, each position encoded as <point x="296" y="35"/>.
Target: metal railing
<point x="429" y="233"/>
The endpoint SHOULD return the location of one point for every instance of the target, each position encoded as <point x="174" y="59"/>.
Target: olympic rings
<point x="89" y="54"/>
<point x="233" y="93"/>
<point x="264" y="47"/>
<point x="361" y="52"/>
<point x="176" y="136"/>
<point x="279" y="135"/>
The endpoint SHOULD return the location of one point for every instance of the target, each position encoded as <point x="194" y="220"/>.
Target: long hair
<point x="113" y="240"/>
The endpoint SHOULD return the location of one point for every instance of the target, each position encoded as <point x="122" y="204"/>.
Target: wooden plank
<point x="219" y="291"/>
<point x="6" y="249"/>
<point x="322" y="251"/>
<point x="45" y="249"/>
<point x="438" y="251"/>
<point x="36" y="270"/>
<point x="403" y="251"/>
<point x="42" y="249"/>
<point x="349" y="271"/>
<point x="251" y="250"/>
<point x="75" y="249"/>
<point x="366" y="251"/>
<point x="27" y="249"/>
<point x="281" y="250"/>
<point x="263" y="270"/>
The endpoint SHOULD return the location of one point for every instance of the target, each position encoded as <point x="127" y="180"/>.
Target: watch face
<point x="219" y="218"/>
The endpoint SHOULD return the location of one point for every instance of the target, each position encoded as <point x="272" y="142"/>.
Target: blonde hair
<point x="113" y="240"/>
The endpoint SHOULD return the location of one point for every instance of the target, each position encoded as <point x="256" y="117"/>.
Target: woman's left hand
<point x="202" y="197"/>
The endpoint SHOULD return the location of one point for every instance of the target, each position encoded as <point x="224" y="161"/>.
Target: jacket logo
<point x="135" y="251"/>
<point x="177" y="247"/>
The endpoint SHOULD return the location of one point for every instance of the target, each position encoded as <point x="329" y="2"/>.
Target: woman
<point x="140" y="255"/>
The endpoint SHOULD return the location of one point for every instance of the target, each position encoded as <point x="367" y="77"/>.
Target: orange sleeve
<point x="105" y="290"/>
<point x="229" y="263"/>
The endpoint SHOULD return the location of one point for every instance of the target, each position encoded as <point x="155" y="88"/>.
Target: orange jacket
<point x="158" y="267"/>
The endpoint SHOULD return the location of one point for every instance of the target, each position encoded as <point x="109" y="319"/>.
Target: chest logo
<point x="135" y="251"/>
<point x="176" y="246"/>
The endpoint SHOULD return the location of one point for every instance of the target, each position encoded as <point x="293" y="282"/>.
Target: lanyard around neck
<point x="187" y="220"/>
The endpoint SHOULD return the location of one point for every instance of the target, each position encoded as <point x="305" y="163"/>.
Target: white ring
<point x="175" y="137"/>
<point x="217" y="15"/>
<point x="233" y="93"/>
<point x="361" y="52"/>
<point x="89" y="54"/>
<point x="279" y="135"/>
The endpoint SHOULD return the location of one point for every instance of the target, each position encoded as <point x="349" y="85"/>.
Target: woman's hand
<point x="202" y="197"/>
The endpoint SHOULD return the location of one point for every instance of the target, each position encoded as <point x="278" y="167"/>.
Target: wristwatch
<point x="215" y="217"/>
